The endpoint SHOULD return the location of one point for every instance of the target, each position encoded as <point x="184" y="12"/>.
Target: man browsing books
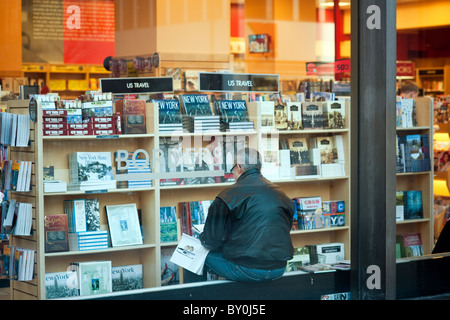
<point x="409" y="90"/>
<point x="248" y="224"/>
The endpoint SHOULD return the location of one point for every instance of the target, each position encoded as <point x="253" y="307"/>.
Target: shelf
<point x="109" y="250"/>
<point x="92" y="137"/>
<point x="344" y="228"/>
<point x="93" y="192"/>
<point x="413" y="221"/>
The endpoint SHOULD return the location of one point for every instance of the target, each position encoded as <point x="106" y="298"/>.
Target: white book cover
<point x="267" y="115"/>
<point x="190" y="254"/>
<point x="94" y="277"/>
<point x="90" y="167"/>
<point x="123" y="224"/>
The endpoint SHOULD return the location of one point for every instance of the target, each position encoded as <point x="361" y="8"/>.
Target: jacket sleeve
<point x="215" y="231"/>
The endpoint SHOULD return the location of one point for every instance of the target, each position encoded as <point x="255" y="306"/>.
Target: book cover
<point x="298" y="151"/>
<point x="312" y="115"/>
<point x="410" y="244"/>
<point x="294" y="115"/>
<point x="128" y="277"/>
<point x="76" y="214"/>
<point x="281" y="122"/>
<point x="94" y="277"/>
<point x="124" y="225"/>
<point x="196" y="105"/>
<point x="92" y="214"/>
<point x="56" y="233"/>
<point x="267" y="115"/>
<point x="90" y="167"/>
<point x="233" y="111"/>
<point x="133" y="117"/>
<point x="169" y="111"/>
<point x="399" y="206"/>
<point x="169" y="270"/>
<point x="168" y="223"/>
<point x="325" y="146"/>
<point x="413" y="204"/>
<point x="60" y="285"/>
<point x="334" y="114"/>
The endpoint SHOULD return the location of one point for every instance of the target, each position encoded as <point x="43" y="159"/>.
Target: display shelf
<point x="54" y="151"/>
<point x="422" y="181"/>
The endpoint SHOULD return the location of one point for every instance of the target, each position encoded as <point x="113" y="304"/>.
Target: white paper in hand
<point x="190" y="254"/>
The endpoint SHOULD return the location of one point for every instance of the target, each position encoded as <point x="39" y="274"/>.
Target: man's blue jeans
<point x="231" y="271"/>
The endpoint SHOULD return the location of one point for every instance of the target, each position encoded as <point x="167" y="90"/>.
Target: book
<point x="233" y="115"/>
<point x="281" y="120"/>
<point x="299" y="153"/>
<point x="170" y="160"/>
<point x="294" y="116"/>
<point x="93" y="277"/>
<point x="89" y="240"/>
<point x="92" y="214"/>
<point x="325" y="146"/>
<point x="333" y="213"/>
<point x="56" y="233"/>
<point x="326" y="253"/>
<point x="60" y="285"/>
<point x="334" y="114"/>
<point x="413" y="205"/>
<point x="169" y="271"/>
<point x="91" y="171"/>
<point x="410" y="245"/>
<point x="168" y="223"/>
<point x="196" y="105"/>
<point x="24" y="220"/>
<point x="76" y="214"/>
<point x="190" y="254"/>
<point x="169" y="115"/>
<point x="312" y="115"/>
<point x="124" y="225"/>
<point x="267" y="115"/>
<point x="133" y="116"/>
<point x="129" y="277"/>
<point x="399" y="206"/>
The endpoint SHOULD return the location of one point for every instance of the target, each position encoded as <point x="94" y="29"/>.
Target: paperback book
<point x="169" y="115"/>
<point x="312" y="115"/>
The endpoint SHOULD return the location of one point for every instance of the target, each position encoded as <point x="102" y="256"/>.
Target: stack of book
<point x="169" y="115"/>
<point x="18" y="263"/>
<point x="197" y="115"/>
<point x="233" y="115"/>
<point x="90" y="240"/>
<point x="138" y="166"/>
<point x="14" y="129"/>
<point x="198" y="124"/>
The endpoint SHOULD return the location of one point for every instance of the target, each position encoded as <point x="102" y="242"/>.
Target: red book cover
<point x="133" y="116"/>
<point x="56" y="233"/>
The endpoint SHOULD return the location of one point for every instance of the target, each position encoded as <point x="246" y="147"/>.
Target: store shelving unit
<point x="45" y="150"/>
<point x="420" y="180"/>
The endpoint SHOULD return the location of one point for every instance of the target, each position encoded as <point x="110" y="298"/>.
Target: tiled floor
<point x="4" y="293"/>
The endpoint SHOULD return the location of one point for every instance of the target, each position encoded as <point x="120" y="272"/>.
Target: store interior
<point x="66" y="49"/>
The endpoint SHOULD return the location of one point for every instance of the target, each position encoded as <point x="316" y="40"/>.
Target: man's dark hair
<point x="248" y="158"/>
<point x="409" y="86"/>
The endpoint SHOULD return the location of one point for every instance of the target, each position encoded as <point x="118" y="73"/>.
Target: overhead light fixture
<point x="331" y="4"/>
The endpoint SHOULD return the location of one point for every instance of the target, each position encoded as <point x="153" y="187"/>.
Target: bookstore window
<point x="65" y="48"/>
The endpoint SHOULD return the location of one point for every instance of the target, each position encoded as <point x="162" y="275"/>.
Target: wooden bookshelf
<point x="54" y="151"/>
<point x="422" y="181"/>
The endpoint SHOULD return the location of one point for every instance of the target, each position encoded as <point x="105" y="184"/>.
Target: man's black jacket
<point x="250" y="222"/>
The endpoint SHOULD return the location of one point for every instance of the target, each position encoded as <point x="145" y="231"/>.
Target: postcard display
<point x="146" y="249"/>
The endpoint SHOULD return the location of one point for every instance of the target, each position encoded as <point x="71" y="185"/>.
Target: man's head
<point x="409" y="90"/>
<point x="245" y="159"/>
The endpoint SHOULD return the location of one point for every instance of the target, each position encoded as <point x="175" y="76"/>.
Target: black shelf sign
<point x="137" y="85"/>
<point x="238" y="82"/>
